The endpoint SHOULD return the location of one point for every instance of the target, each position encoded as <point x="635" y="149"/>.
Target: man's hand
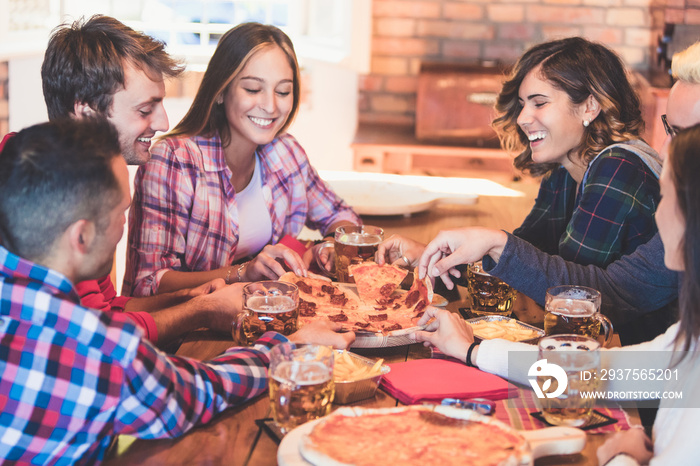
<point x="395" y="248"/>
<point x="633" y="442"/>
<point x="206" y="288"/>
<point x="447" y="332"/>
<point x="460" y="246"/>
<point x="323" y="332"/>
<point x="220" y="307"/>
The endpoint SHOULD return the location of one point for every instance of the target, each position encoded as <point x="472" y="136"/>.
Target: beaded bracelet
<point x="227" y="280"/>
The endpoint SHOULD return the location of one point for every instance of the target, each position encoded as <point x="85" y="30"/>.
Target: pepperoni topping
<point x="381" y="308"/>
<point x="362" y="324"/>
<point x="386" y="290"/>
<point x="396" y="326"/>
<point x="306" y="309"/>
<point x="338" y="318"/>
<point x="385" y="301"/>
<point x="339" y="299"/>
<point x="303" y="287"/>
<point x="420" y="306"/>
<point x="412" y="298"/>
<point x="327" y="289"/>
<point x="377" y="317"/>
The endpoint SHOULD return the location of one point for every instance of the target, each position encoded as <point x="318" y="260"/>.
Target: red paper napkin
<point x="421" y="380"/>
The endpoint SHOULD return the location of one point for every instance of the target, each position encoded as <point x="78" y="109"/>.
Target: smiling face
<point x="137" y="112"/>
<point x="551" y="122"/>
<point x="259" y="100"/>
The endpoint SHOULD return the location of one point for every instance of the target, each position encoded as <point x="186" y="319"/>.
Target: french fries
<point x="505" y="329"/>
<point x="349" y="369"/>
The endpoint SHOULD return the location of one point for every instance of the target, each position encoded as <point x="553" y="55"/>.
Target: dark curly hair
<point x="581" y="69"/>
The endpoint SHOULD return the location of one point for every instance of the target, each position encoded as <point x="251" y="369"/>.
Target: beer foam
<point x="302" y="373"/>
<point x="359" y="239"/>
<point x="571" y="307"/>
<point x="271" y="304"/>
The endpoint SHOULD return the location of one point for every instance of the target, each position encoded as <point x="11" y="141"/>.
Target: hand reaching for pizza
<point x="447" y="332"/>
<point x="323" y="332"/>
<point x="459" y="246"/>
<point x="395" y="248"/>
<point x="267" y="265"/>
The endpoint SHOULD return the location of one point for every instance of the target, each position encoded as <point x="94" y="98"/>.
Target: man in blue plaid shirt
<point x="71" y="377"/>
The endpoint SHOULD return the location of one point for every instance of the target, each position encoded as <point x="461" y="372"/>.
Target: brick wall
<point x="405" y="32"/>
<point x="4" y="100"/>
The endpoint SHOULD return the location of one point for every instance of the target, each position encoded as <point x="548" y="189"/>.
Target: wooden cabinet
<point x="395" y="149"/>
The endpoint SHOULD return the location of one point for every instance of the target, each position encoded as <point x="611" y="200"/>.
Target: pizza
<point x="376" y="282"/>
<point x="388" y="315"/>
<point x="413" y="435"/>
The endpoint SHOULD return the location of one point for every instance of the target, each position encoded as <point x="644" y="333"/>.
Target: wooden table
<point x="234" y="438"/>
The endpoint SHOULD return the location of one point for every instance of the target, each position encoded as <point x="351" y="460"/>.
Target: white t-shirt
<point x="253" y="217"/>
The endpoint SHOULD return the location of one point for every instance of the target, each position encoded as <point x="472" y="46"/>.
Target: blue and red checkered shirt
<point x="72" y="378"/>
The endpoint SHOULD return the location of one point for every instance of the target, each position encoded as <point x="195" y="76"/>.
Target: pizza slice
<point x="420" y="295"/>
<point x="376" y="282"/>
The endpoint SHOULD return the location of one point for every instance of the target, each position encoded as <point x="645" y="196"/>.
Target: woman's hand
<point x="268" y="264"/>
<point x="633" y="442"/>
<point x="447" y="332"/>
<point x="394" y="249"/>
<point x="459" y="246"/>
<point x="323" y="254"/>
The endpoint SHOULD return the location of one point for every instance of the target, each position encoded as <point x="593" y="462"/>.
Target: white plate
<point x="373" y="197"/>
<point x="288" y="452"/>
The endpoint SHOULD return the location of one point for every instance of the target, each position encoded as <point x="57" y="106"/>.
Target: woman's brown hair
<point x="684" y="159"/>
<point x="205" y="118"/>
<point x="581" y="69"/>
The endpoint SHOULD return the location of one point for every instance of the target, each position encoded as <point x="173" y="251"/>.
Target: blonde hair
<point x="685" y="65"/>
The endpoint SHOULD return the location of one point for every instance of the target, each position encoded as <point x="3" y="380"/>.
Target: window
<point x="320" y="29"/>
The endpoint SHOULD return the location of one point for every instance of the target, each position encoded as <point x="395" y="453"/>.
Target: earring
<point x="586" y="123"/>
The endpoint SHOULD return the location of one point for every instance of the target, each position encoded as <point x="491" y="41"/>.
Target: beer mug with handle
<point x="301" y="383"/>
<point x="566" y="374"/>
<point x="353" y="244"/>
<point x="575" y="309"/>
<point x="267" y="306"/>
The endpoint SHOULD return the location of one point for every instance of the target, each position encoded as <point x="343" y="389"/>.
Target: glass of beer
<point x="267" y="306"/>
<point x="575" y="309"/>
<point x="354" y="244"/>
<point x="301" y="383"/>
<point x="573" y="361"/>
<point x="489" y="295"/>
